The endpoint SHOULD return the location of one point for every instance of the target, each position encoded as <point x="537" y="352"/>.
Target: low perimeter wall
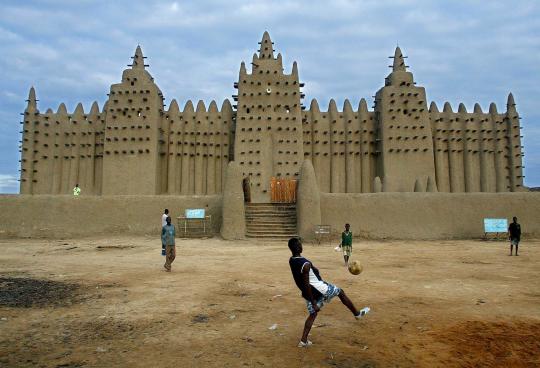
<point x="375" y="215"/>
<point x="58" y="216"/>
<point x="428" y="215"/>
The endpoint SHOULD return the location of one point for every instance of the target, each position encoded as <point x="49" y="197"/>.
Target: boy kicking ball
<point x="314" y="289"/>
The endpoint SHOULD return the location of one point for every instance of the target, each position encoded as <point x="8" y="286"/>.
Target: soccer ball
<point x="355" y="267"/>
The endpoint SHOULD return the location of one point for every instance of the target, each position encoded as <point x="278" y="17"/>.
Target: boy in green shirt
<point x="346" y="243"/>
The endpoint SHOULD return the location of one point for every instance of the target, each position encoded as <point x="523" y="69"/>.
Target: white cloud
<point x="9" y="184"/>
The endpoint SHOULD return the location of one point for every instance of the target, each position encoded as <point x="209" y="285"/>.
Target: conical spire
<point x="493" y="108"/>
<point x="173" y="107"/>
<point x="332" y="107"/>
<point x="279" y="59"/>
<point x="294" y="72"/>
<point x="511" y="105"/>
<point x="447" y="107"/>
<point x="314" y="106"/>
<point x="433" y="107"/>
<point x="212" y="108"/>
<point x="399" y="62"/>
<point x="79" y="110"/>
<point x="362" y="106"/>
<point x="510" y="102"/>
<point x="267" y="49"/>
<point x="242" y="70"/>
<point x="32" y="102"/>
<point x="226" y="107"/>
<point x="477" y="109"/>
<point x="138" y="59"/>
<point x="62" y="109"/>
<point x="188" y="107"/>
<point x="462" y="109"/>
<point x="200" y="107"/>
<point x="94" y="110"/>
<point x="347" y="107"/>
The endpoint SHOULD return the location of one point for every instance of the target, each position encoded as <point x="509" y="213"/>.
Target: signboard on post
<point x="195" y="213"/>
<point x="493" y="225"/>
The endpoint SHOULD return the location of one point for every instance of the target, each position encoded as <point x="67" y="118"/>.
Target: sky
<point x="460" y="51"/>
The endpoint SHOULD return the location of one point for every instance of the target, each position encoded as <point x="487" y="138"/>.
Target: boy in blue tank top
<point x="314" y="289"/>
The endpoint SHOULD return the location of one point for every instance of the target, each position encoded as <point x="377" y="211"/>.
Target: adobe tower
<point x="404" y="134"/>
<point x="134" y="135"/>
<point x="268" y="141"/>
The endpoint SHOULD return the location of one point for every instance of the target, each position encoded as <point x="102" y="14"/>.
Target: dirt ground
<point x="106" y="302"/>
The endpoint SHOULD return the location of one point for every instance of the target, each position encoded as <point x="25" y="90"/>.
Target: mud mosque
<point x="266" y="164"/>
<point x="133" y="145"/>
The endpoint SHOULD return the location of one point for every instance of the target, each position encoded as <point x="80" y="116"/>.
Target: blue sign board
<point x="196" y="213"/>
<point x="492" y="225"/>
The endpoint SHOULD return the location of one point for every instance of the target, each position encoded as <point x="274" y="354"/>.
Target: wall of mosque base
<point x="59" y="216"/>
<point x="428" y="215"/>
<point x="371" y="215"/>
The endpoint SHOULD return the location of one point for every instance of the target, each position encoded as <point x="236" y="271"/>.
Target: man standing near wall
<point x="76" y="190"/>
<point x="163" y="223"/>
<point x="514" y="233"/>
<point x="168" y="234"/>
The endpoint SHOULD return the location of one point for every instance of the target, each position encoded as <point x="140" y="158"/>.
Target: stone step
<point x="281" y="220"/>
<point x="270" y="205"/>
<point x="271" y="236"/>
<point x="270" y="212"/>
<point x="274" y="220"/>
<point x="271" y="225"/>
<point x="278" y="208"/>
<point x="256" y="216"/>
<point x="273" y="231"/>
<point x="269" y="216"/>
<point x="273" y="208"/>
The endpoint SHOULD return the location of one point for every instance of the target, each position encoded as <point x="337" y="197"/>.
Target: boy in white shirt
<point x="315" y="291"/>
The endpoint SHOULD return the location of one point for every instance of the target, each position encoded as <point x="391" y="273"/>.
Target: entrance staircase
<point x="271" y="220"/>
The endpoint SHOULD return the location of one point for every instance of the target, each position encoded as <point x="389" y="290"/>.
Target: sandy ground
<point x="434" y="304"/>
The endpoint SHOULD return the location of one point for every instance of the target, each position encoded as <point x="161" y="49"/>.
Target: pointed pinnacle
<point x="94" y="109"/>
<point x="510" y="101"/>
<point x="32" y="102"/>
<point x="267" y="49"/>
<point x="138" y="59"/>
<point x="493" y="108"/>
<point x="399" y="63"/>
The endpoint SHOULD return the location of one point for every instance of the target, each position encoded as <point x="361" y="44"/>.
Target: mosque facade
<point x="134" y="145"/>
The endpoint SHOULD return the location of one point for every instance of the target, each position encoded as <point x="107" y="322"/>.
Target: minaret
<point x="135" y="147"/>
<point x="405" y="138"/>
<point x="268" y="140"/>
<point x="27" y="146"/>
<point x="514" y="149"/>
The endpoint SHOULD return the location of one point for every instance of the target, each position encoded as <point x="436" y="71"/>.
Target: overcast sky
<point x="461" y="51"/>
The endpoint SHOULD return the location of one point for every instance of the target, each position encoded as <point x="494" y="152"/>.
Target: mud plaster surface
<point x="437" y="303"/>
